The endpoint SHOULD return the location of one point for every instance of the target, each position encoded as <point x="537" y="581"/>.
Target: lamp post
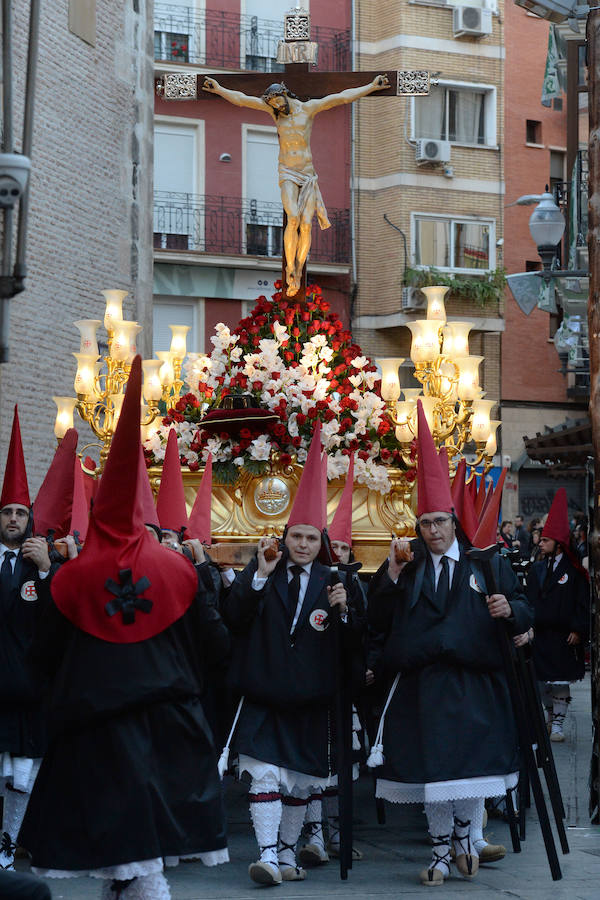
<point x="547" y="226"/>
<point x="100" y="381"/>
<point x="450" y="394"/>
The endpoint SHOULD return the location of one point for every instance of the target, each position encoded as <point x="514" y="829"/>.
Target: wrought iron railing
<point x="230" y="40"/>
<point x="239" y="226"/>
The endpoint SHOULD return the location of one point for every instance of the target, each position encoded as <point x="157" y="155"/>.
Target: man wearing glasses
<point x="449" y="738"/>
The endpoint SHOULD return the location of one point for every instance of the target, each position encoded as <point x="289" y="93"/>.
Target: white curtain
<point x="467" y="107"/>
<point x="471" y="246"/>
<point x="432" y="245"/>
<point x="429" y="115"/>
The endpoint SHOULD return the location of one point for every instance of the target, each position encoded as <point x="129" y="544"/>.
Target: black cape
<point x="450" y="716"/>
<point x="289" y="684"/>
<point x="22" y="719"/>
<point x="131" y="770"/>
<point x="560" y="601"/>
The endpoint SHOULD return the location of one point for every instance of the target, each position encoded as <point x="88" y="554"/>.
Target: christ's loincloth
<point x="309" y="187"/>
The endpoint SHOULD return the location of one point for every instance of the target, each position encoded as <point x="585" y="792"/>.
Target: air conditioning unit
<point x="431" y="151"/>
<point x="471" y="21"/>
<point x="411" y="299"/>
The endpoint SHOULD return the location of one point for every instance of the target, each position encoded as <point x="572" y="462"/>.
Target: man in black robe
<point x="449" y="737"/>
<point x="24" y="593"/>
<point x="129" y="781"/>
<point x="283" y="665"/>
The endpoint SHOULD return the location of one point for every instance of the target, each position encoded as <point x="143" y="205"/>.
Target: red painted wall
<point x="529" y="360"/>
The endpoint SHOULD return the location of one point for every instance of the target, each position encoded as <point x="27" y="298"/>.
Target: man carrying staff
<point x="449" y="738"/>
<point x="279" y="609"/>
<point x="300" y="193"/>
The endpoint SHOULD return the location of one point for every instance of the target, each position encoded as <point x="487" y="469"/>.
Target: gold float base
<point x="258" y="505"/>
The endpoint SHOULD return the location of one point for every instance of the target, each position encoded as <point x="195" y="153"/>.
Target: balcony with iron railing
<point x="239" y="227"/>
<point x="228" y="40"/>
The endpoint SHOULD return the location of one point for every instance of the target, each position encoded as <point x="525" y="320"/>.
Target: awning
<point x="564" y="449"/>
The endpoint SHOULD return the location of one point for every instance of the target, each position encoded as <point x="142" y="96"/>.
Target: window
<point x="175" y="311"/>
<point x="462" y="114"/>
<point x="176" y="31"/>
<point x="453" y="244"/>
<point x="262" y="33"/>
<point x="177" y="224"/>
<point x="262" y="197"/>
<point x="557" y="168"/>
<point x="533" y="132"/>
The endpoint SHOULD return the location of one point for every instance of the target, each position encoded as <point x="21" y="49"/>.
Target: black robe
<point x="131" y="771"/>
<point x="288" y="684"/>
<point x="22" y="603"/>
<point x="561" y="605"/>
<point x="450" y="716"/>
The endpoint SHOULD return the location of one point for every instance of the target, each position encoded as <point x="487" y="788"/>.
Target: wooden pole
<point x="593" y="49"/>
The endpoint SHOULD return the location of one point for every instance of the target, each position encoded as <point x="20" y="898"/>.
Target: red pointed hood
<point x="80" y="512"/>
<point x="149" y="514"/>
<point x="15" y="488"/>
<point x="307" y="508"/>
<point x="488" y="499"/>
<point x="443" y="457"/>
<point x="433" y="487"/>
<point x="341" y="525"/>
<point x="324" y="487"/>
<point x="170" y="505"/>
<point x="486" y="534"/>
<point x="480" y="498"/>
<point x="469" y="519"/>
<point x="54" y="501"/>
<point x="200" y="517"/>
<point x="557" y="523"/>
<point x="123" y="587"/>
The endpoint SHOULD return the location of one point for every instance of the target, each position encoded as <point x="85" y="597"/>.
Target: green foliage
<point x="483" y="289"/>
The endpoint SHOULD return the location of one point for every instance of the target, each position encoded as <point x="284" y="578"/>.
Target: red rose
<point x="385" y="454"/>
<point x="362" y="454"/>
<point x="312" y="413"/>
<point x="301" y="419"/>
<point x="329" y="415"/>
<point x="288" y="355"/>
<point x="257" y="385"/>
<point x="277" y="284"/>
<point x="193" y="466"/>
<point x="285" y="459"/>
<point x="305" y="316"/>
<point x="296" y="441"/>
<point x="224" y="436"/>
<point x="245" y="433"/>
<point x="411" y="474"/>
<point x="296" y="331"/>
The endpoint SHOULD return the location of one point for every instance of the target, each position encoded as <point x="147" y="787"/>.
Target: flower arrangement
<point x="296" y="360"/>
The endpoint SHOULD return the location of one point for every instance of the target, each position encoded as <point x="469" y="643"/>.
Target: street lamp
<point x="547" y="226"/>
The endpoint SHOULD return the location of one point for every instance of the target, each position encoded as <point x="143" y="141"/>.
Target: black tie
<point x="293" y="593"/>
<point x="6" y="571"/>
<point x="443" y="585"/>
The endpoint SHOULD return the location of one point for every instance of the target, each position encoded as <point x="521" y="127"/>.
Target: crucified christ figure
<point x="298" y="181"/>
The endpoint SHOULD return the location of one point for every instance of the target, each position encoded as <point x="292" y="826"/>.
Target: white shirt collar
<point x="305" y="569"/>
<point x="4" y="549"/>
<point x="453" y="552"/>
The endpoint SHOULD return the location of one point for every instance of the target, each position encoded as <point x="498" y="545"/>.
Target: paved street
<point x="394" y="853"/>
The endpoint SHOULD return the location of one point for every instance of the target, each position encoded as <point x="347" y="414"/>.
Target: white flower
<point x="280" y="331"/>
<point x="238" y="461"/>
<point x="260" y="448"/>
<point x="359" y="362"/>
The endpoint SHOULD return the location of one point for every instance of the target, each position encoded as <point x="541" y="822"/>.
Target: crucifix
<point x="292" y="106"/>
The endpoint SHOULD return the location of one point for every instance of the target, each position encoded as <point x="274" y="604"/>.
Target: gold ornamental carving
<point x="260" y="504"/>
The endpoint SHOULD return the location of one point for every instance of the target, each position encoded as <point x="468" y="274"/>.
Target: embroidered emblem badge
<point x="28" y="591"/>
<point x="317" y="619"/>
<point x="563" y="579"/>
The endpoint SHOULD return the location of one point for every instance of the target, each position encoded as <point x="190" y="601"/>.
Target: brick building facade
<point x="434" y="204"/>
<point x="90" y="201"/>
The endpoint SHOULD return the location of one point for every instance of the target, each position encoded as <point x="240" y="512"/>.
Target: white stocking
<point x="561" y="697"/>
<point x="15" y="804"/>
<point x="145" y="887"/>
<point x="440" y="823"/>
<point x="476" y="830"/>
<point x="292" y="817"/>
<point x="314" y="820"/>
<point x="464" y="811"/>
<point x="265" y="810"/>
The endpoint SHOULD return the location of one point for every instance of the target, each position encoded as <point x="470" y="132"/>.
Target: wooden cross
<point x="300" y="81"/>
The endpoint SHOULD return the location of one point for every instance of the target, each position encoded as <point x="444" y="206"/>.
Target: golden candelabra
<point x="100" y="381"/>
<point x="451" y="396"/>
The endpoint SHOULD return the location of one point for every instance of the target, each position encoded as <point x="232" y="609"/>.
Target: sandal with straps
<point x="439" y="869"/>
<point x="263" y="872"/>
<point x="467" y="859"/>
<point x="290" y="872"/>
